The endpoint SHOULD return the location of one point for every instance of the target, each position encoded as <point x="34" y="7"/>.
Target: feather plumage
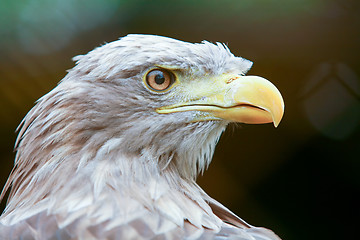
<point x="96" y="161"/>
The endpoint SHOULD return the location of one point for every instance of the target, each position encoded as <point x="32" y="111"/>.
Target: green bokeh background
<point x="300" y="180"/>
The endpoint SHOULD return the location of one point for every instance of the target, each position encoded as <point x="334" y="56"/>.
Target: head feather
<point x="101" y="112"/>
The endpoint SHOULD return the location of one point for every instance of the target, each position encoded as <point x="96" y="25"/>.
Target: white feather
<point x="95" y="161"/>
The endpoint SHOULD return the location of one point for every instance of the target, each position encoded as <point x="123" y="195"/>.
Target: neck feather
<point x="63" y="156"/>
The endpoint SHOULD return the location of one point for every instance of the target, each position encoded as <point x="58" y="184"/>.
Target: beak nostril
<point x="230" y="80"/>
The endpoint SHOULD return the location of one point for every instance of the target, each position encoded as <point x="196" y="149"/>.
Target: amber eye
<point x="159" y="79"/>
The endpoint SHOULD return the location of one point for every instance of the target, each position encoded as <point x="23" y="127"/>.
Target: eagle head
<point x="164" y="98"/>
<point x="135" y="113"/>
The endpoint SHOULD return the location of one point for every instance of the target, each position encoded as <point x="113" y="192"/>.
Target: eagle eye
<point x="159" y="79"/>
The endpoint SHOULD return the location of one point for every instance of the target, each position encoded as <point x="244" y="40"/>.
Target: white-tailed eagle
<point x="114" y="150"/>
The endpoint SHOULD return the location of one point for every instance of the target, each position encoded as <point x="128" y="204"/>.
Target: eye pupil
<point x="159" y="78"/>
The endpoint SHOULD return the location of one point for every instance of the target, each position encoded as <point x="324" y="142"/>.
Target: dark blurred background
<point x="301" y="179"/>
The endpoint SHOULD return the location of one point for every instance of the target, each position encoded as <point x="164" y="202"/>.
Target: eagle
<point x="113" y="151"/>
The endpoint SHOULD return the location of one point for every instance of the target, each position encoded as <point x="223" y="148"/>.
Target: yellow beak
<point x="246" y="99"/>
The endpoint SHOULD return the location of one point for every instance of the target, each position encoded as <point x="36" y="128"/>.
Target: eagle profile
<point x="114" y="150"/>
